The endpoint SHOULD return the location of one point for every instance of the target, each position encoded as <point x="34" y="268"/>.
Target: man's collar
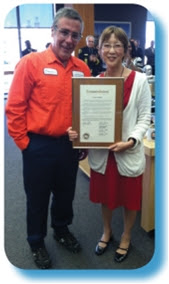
<point x="52" y="57"/>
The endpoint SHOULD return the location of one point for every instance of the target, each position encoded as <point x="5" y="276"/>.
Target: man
<point x="28" y="49"/>
<point x="150" y="54"/>
<point x="89" y="54"/>
<point x="39" y="112"/>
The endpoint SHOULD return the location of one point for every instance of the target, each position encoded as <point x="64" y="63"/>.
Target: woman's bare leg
<point x="129" y="220"/>
<point x="107" y="230"/>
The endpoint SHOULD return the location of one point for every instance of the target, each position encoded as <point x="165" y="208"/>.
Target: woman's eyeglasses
<point x="116" y="46"/>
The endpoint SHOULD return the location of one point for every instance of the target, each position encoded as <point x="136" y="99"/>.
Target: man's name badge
<point x="50" y="71"/>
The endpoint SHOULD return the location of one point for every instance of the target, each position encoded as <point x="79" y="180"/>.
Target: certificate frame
<point x="78" y="83"/>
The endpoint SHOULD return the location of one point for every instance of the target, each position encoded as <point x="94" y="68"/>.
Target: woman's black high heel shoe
<point x="120" y="257"/>
<point x="100" y="250"/>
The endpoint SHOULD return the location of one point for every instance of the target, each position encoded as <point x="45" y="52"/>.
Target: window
<point x="11" y="20"/>
<point x="150" y="33"/>
<point x="38" y="37"/>
<point x="150" y="29"/>
<point x="35" y="25"/>
<point x="36" y="15"/>
<point x="25" y="22"/>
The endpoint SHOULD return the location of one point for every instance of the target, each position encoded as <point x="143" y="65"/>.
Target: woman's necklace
<point x="107" y="75"/>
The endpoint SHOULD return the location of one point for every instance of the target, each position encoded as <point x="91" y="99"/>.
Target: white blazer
<point x="136" y="120"/>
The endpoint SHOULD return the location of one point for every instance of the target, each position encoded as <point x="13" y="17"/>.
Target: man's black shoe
<point x="66" y="238"/>
<point x="41" y="258"/>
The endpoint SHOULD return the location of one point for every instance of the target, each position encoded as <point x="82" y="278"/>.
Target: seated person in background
<point x="130" y="60"/>
<point x="89" y="54"/>
<point x="28" y="49"/>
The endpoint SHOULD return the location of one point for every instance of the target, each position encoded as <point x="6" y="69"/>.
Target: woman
<point x="116" y="173"/>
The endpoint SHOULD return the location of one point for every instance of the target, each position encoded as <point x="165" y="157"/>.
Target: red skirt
<point x="114" y="190"/>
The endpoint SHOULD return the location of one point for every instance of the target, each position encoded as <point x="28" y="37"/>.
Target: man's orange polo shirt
<point x="40" y="96"/>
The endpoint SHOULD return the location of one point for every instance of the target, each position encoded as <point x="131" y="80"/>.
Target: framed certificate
<point x="97" y="111"/>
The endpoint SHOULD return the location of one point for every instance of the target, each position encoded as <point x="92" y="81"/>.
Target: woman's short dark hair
<point x="119" y="34"/>
<point x="133" y="49"/>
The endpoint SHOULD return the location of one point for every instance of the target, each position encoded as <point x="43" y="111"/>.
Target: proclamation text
<point x="97" y="113"/>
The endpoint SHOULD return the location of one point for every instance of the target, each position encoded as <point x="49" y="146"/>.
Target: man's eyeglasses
<point x="64" y="33"/>
<point x="116" y="46"/>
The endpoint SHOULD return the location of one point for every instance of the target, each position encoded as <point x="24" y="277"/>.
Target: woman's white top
<point x="136" y="120"/>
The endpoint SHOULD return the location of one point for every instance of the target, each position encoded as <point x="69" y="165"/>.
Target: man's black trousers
<point x="49" y="166"/>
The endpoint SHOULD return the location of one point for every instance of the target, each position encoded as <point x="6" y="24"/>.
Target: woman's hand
<point x="72" y="134"/>
<point x="121" y="146"/>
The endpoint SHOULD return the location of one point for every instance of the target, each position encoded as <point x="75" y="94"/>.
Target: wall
<point x="135" y="14"/>
<point x="86" y="11"/>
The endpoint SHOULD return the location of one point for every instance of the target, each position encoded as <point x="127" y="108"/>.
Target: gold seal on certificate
<point x="97" y="111"/>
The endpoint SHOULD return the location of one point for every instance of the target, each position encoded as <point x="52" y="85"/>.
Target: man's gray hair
<point x="70" y="13"/>
<point x="87" y="38"/>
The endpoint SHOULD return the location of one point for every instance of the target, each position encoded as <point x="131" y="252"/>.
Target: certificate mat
<point x="97" y="108"/>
